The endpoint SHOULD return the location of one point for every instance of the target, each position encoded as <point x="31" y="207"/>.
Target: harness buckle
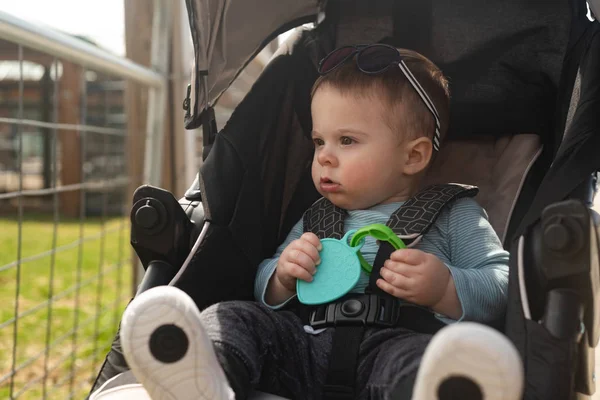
<point x="362" y="309"/>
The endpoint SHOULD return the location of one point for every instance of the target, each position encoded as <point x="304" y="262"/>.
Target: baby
<point x="379" y="116"/>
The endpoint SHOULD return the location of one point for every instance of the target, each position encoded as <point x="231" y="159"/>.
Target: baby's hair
<point x="407" y="112"/>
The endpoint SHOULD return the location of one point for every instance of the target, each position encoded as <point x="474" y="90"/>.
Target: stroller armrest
<point x="161" y="233"/>
<point x="564" y="250"/>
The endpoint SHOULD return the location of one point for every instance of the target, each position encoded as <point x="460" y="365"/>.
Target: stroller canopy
<point x="502" y="57"/>
<point x="227" y="35"/>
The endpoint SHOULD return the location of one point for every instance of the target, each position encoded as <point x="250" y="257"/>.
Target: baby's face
<point x="358" y="159"/>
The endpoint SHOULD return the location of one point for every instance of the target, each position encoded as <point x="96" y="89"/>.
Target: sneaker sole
<point x="185" y="374"/>
<point x="475" y="352"/>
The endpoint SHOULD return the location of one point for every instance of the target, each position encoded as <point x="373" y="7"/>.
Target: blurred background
<point x="90" y="108"/>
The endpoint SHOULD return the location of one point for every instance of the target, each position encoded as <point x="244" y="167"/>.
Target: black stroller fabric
<point x="512" y="66"/>
<point x="549" y="362"/>
<point x="255" y="182"/>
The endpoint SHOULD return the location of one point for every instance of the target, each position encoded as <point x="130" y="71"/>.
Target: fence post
<point x="70" y="140"/>
<point x="157" y="98"/>
<point x="147" y="119"/>
<point x="180" y="162"/>
<point x="138" y="35"/>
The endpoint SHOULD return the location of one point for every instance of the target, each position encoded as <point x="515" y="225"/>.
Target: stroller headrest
<point x="504" y="60"/>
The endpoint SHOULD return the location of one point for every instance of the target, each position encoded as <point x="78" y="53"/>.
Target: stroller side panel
<point x="550" y="362"/>
<point x="255" y="182"/>
<point x="577" y="156"/>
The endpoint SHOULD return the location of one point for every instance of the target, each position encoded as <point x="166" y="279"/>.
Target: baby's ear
<point x="419" y="152"/>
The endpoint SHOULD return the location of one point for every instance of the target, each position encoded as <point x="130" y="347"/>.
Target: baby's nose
<point x="326" y="157"/>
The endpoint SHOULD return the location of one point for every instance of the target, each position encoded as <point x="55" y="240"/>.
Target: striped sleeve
<point x="477" y="261"/>
<point x="267" y="266"/>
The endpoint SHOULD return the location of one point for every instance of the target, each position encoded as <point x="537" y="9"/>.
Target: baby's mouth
<point x="327" y="185"/>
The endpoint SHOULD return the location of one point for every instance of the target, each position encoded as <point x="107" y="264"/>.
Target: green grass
<point x="100" y="302"/>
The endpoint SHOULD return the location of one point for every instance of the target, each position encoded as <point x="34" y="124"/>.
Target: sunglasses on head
<point x="375" y="59"/>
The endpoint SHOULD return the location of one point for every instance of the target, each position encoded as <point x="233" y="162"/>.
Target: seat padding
<point x="497" y="166"/>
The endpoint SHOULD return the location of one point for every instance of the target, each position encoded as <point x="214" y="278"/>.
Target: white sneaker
<point x="469" y="361"/>
<point x="167" y="349"/>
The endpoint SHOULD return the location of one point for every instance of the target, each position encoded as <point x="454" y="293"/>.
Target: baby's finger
<point x="391" y="289"/>
<point x="397" y="280"/>
<point x="310" y="250"/>
<point x="401" y="268"/>
<point x="299" y="272"/>
<point x="312" y="239"/>
<point x="300" y="258"/>
<point x="408" y="256"/>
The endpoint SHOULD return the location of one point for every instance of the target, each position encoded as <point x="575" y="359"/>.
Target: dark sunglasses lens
<point x="335" y="58"/>
<point x="374" y="59"/>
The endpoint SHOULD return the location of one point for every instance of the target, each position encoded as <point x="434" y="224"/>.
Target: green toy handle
<point x="380" y="232"/>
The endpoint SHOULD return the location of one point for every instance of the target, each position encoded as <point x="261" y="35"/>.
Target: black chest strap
<point x="414" y="219"/>
<point x="410" y="221"/>
<point x="418" y="214"/>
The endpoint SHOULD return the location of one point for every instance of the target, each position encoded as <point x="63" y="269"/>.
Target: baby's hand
<point x="415" y="276"/>
<point x="299" y="261"/>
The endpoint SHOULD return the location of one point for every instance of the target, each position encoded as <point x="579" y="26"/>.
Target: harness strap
<point x="412" y="220"/>
<point x="325" y="219"/>
<point x="384" y="252"/>
<point x="369" y="310"/>
<point x="418" y="214"/>
<point x="349" y="317"/>
<point x="340" y="383"/>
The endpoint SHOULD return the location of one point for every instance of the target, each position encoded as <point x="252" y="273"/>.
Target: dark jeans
<point x="270" y="351"/>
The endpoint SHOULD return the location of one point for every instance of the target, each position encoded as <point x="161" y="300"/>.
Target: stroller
<point x="524" y="128"/>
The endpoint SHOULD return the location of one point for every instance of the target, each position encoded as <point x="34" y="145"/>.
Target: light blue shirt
<point x="462" y="238"/>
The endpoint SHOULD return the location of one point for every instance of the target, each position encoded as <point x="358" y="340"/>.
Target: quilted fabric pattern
<point x="415" y="217"/>
<point x="412" y="219"/>
<point x="325" y="220"/>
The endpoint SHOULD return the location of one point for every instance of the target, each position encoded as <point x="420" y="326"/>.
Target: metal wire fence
<point x="65" y="259"/>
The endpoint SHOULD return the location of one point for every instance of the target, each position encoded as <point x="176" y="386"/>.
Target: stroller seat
<point x="498" y="167"/>
<point x="524" y="127"/>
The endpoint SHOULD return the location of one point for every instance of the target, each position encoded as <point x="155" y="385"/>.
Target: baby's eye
<point x="345" y="140"/>
<point x="318" y="142"/>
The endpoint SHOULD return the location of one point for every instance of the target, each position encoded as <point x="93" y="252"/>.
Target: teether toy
<point x="341" y="264"/>
<point x="336" y="275"/>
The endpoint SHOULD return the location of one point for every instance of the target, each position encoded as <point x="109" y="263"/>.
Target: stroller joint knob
<point x="557" y="236"/>
<point x="147" y="216"/>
